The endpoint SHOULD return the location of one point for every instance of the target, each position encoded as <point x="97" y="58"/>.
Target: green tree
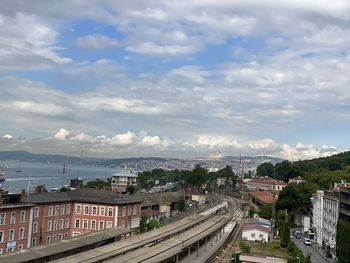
<point x="143" y="225"/>
<point x="181" y="205"/>
<point x="152" y="224"/>
<point x="285" y="234"/>
<point x="198" y="177"/>
<point x="265" y="211"/>
<point x="307" y="259"/>
<point x="245" y="248"/>
<point x="131" y="189"/>
<point x="41" y="188"/>
<point x="265" y="169"/>
<point x="97" y="184"/>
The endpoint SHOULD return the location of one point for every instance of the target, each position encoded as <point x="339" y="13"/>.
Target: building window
<point x="2" y="218"/>
<point x="33" y="242"/>
<point x="36" y="212"/>
<point x="1" y="236"/>
<point x="55" y="225"/>
<point x="48" y="239"/>
<point x="49" y="226"/>
<point x="23" y="216"/>
<point x="35" y="227"/>
<point x="77" y="223"/>
<point x="57" y="210"/>
<point x="60" y="237"/>
<point x="11" y="235"/>
<point x="61" y="224"/>
<point x="261" y="235"/>
<point x="93" y="224"/>
<point x="65" y="235"/>
<point x="110" y="211"/>
<point x="86" y="210"/>
<point x="123" y="223"/>
<point x="94" y="210"/>
<point x="67" y="222"/>
<point x="13" y="218"/>
<point x="102" y="225"/>
<point x="63" y="209"/>
<point x="135" y="209"/>
<point x="109" y="224"/>
<point x="129" y="210"/>
<point x="78" y="209"/>
<point x="54" y="238"/>
<point x="102" y="211"/>
<point x="50" y="211"/>
<point x="85" y="224"/>
<point x="20" y="247"/>
<point x="68" y="209"/>
<point x="123" y="211"/>
<point x="21" y="233"/>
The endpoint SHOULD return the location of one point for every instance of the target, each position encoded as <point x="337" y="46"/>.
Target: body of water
<point x="21" y="174"/>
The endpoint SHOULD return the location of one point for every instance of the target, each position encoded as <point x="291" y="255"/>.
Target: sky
<point x="200" y="78"/>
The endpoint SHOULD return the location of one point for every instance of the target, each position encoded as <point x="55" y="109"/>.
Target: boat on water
<point x="2" y="176"/>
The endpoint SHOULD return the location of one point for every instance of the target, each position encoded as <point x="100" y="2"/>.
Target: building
<point x="16" y="222"/>
<point x="344" y="204"/>
<point x="260" y="198"/>
<point x="259" y="221"/>
<point x="253" y="259"/>
<point x="121" y="180"/>
<point x="265" y="183"/>
<point x="44" y="218"/>
<point x="297" y="180"/>
<point x="198" y="197"/>
<point x="255" y="232"/>
<point x="330" y="219"/>
<point x="317" y="216"/>
<point x="343" y="226"/>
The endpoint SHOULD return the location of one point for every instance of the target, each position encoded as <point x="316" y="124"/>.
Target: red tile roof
<point x="265" y="197"/>
<point x="267" y="181"/>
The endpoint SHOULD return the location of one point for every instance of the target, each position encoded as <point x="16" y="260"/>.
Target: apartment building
<point x="15" y="223"/>
<point x="43" y="218"/>
<point x="317" y="215"/>
<point x="121" y="180"/>
<point x="265" y="183"/>
<point x="330" y="219"/>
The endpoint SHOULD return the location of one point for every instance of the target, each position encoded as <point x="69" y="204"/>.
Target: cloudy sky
<point x="175" y="78"/>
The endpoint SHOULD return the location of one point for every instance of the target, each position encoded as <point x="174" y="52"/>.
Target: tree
<point x="41" y="188"/>
<point x="198" y="177"/>
<point x="152" y="224"/>
<point x="265" y="169"/>
<point x="181" y="205"/>
<point x="285" y="234"/>
<point x="307" y="259"/>
<point x="131" y="189"/>
<point x="265" y="211"/>
<point x="245" y="248"/>
<point x="143" y="225"/>
<point x="97" y="184"/>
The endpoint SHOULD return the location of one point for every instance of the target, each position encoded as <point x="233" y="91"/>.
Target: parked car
<point x="297" y="234"/>
<point x="307" y="242"/>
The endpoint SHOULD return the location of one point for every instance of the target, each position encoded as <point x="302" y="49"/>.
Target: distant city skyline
<point x="175" y="78"/>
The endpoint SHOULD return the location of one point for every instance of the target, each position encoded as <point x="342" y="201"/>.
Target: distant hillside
<point x="34" y="157"/>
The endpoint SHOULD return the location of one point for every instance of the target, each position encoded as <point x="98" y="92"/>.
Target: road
<point x="316" y="256"/>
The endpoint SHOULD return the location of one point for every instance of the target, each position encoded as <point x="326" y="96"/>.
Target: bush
<point x="245" y="248"/>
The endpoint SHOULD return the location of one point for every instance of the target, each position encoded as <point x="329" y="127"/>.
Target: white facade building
<point x="330" y="219"/>
<point x="122" y="179"/>
<point x="255" y="233"/>
<point x="317" y="215"/>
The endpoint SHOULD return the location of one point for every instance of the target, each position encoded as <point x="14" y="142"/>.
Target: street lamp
<point x="298" y="259"/>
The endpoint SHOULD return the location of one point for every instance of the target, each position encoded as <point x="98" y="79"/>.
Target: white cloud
<point x="123" y="139"/>
<point x="97" y="41"/>
<point x="7" y="136"/>
<point x="26" y="42"/>
<point x="62" y="134"/>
